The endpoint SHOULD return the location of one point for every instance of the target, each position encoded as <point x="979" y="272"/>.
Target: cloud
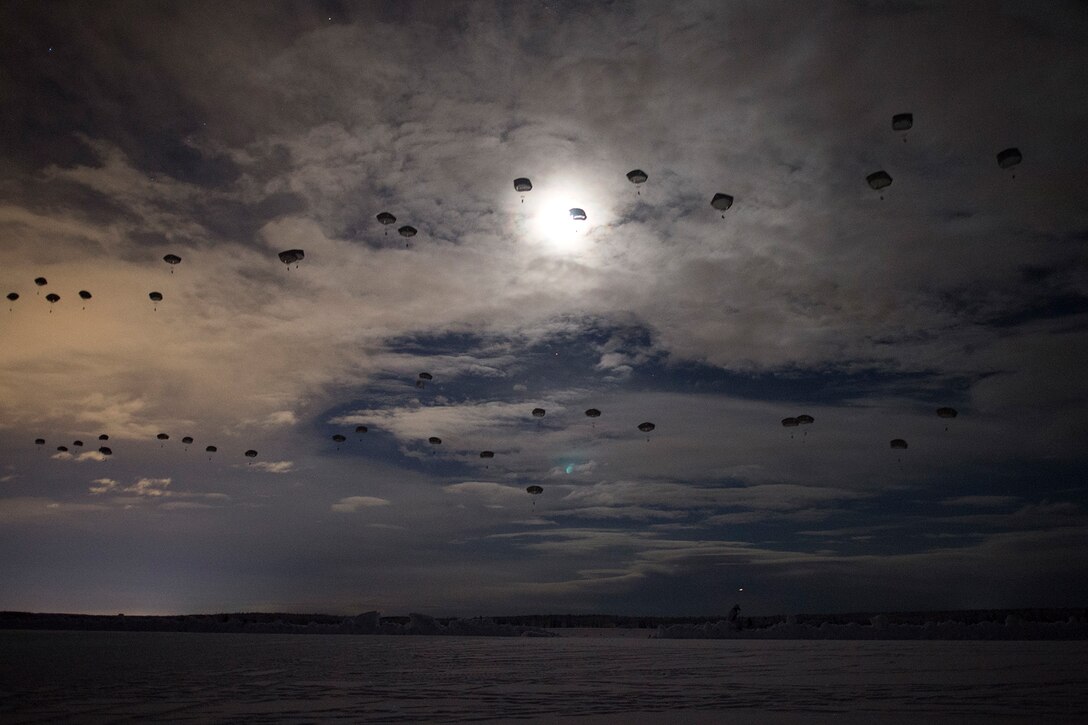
<point x="153" y="487"/>
<point x="352" y="504"/>
<point x="103" y="485"/>
<point x="273" y="466"/>
<point x="981" y="501"/>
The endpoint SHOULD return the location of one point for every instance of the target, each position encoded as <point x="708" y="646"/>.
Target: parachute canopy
<point x="172" y="259"/>
<point x="522" y="184"/>
<point x="805" y="420"/>
<point x="155" y="296"/>
<point x="790" y="422"/>
<point x="338" y="438"/>
<point x="77" y="443"/>
<point x="538" y="412"/>
<point x="13" y="296"/>
<point x="251" y="453"/>
<point x="52" y="297"/>
<point x="487" y="454"/>
<point x="637" y="176"/>
<point x="434" y="440"/>
<point x="39" y="441"/>
<point x="878" y="180"/>
<point x="646" y="427"/>
<point x="360" y="429"/>
<point x="62" y="449"/>
<point x="84" y="294"/>
<point x="41" y="281"/>
<point x="106" y="451"/>
<point x="386" y="218"/>
<point x="407" y="231"/>
<point x="593" y="413"/>
<point x="902" y="121"/>
<point x="211" y="449"/>
<point x="103" y="437"/>
<point x="426" y="376"/>
<point x="721" y="202"/>
<point x="1009" y="157"/>
<point x="187" y="440"/>
<point x="534" y="490"/>
<point x="290" y="256"/>
<point x="898" y="443"/>
<point x="163" y="436"/>
<point x="946" y="412"/>
<point x="578" y="215"/>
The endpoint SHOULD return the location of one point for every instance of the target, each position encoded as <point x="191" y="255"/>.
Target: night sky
<point x="227" y="132"/>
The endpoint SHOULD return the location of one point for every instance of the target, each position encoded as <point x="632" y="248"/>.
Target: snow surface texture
<point x="191" y="677"/>
<point x="880" y="628"/>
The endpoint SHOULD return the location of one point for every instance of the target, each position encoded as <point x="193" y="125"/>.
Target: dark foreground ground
<point x="280" y="622"/>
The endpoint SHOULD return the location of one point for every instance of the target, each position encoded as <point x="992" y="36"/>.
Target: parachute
<point x="1009" y="157"/>
<point x="637" y="177"/>
<point x="722" y="202"/>
<point x="386" y="219"/>
<point x="41" y="281"/>
<point x="78" y="444"/>
<point x="292" y="256"/>
<point x="407" y="231"/>
<point x="903" y="122"/>
<point x="790" y="422"/>
<point x="106" y="451"/>
<point x="13" y="296"/>
<point x="434" y="440"/>
<point x="338" y="438"/>
<point x="422" y="378"/>
<point x="172" y="259"/>
<point x="487" y="454"/>
<point x="251" y="453"/>
<point x="646" y="427"/>
<point x="187" y="440"/>
<point x="155" y="297"/>
<point x="534" y="490"/>
<point x="879" y="180"/>
<point x="211" y="449"/>
<point x="946" y="413"/>
<point x="898" y="443"/>
<point x="163" y="436"/>
<point x="52" y="298"/>
<point x="84" y="295"/>
<point x="805" y="420"/>
<point x="360" y="429"/>
<point x="39" y="441"/>
<point x="538" y="412"/>
<point x="593" y="413"/>
<point x="103" y="437"/>
<point x="578" y="215"/>
<point x="522" y="185"/>
<point x="62" y="449"/>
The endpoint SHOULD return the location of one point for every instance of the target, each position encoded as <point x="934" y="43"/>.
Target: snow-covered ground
<point x="173" y="677"/>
